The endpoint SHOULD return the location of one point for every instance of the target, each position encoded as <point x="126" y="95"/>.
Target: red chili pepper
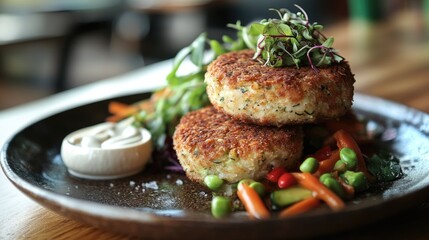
<point x="275" y="174"/>
<point x="286" y="180"/>
<point x="323" y="153"/>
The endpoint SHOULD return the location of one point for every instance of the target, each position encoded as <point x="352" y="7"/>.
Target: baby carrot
<point x="322" y="192"/>
<point x="252" y="202"/>
<point x="300" y="207"/>
<point x="120" y="111"/>
<point x="328" y="164"/>
<point x="345" y="140"/>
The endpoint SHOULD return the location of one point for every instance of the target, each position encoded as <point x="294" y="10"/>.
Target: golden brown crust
<point x="204" y="126"/>
<point x="323" y="93"/>
<point x="208" y="136"/>
<point x="233" y="68"/>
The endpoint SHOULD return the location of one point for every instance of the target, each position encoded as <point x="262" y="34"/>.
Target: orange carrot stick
<point x="322" y="192"/>
<point x="118" y="107"/>
<point x="328" y="164"/>
<point x="300" y="207"/>
<point x="120" y="111"/>
<point x="253" y="204"/>
<point x="344" y="139"/>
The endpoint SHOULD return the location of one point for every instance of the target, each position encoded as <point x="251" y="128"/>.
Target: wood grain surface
<point x="390" y="59"/>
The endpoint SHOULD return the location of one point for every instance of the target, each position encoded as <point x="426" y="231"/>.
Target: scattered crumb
<point x="229" y="191"/>
<point x="168" y="176"/>
<point x="151" y="185"/>
<point x="132" y="183"/>
<point x="111" y="185"/>
<point x="179" y="182"/>
<point x="236" y="204"/>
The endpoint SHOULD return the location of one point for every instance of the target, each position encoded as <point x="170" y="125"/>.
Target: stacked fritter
<point x="255" y="122"/>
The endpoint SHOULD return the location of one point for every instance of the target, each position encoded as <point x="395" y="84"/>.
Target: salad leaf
<point x="185" y="93"/>
<point x="288" y="41"/>
<point x="385" y="167"/>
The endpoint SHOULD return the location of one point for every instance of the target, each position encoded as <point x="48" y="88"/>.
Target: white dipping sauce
<point x="107" y="150"/>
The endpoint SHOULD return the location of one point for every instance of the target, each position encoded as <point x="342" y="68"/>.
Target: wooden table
<point x="393" y="62"/>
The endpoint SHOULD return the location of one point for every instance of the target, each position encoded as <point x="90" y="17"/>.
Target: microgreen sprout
<point x="290" y="40"/>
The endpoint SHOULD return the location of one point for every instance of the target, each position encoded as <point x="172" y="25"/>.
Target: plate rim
<point x="117" y="213"/>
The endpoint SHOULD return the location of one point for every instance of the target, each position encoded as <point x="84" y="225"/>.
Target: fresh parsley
<point x="385" y="167"/>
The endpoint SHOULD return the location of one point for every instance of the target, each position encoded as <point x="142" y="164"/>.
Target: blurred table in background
<point x="390" y="59"/>
<point x="39" y="42"/>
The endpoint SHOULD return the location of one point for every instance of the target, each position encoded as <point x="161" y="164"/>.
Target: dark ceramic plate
<point x="172" y="207"/>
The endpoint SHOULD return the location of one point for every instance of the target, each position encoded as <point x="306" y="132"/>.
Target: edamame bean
<point x="349" y="157"/>
<point x="340" y="166"/>
<point x="309" y="165"/>
<point x="332" y="184"/>
<point x="213" y="182"/>
<point x="247" y="181"/>
<point x="324" y="176"/>
<point x="355" y="179"/>
<point x="258" y="187"/>
<point x="221" y="206"/>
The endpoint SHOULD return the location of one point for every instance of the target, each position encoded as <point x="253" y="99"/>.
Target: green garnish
<point x="186" y="92"/>
<point x="385" y="167"/>
<point x="288" y="41"/>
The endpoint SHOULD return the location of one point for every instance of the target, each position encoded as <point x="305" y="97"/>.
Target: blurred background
<point x="48" y="46"/>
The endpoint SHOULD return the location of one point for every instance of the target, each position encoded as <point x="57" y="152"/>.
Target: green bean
<point x="287" y="196"/>
<point x="309" y="165"/>
<point x="221" y="206"/>
<point x="213" y="182"/>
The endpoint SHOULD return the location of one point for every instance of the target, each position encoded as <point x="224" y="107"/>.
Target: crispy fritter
<point x="251" y="92"/>
<point x="209" y="142"/>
